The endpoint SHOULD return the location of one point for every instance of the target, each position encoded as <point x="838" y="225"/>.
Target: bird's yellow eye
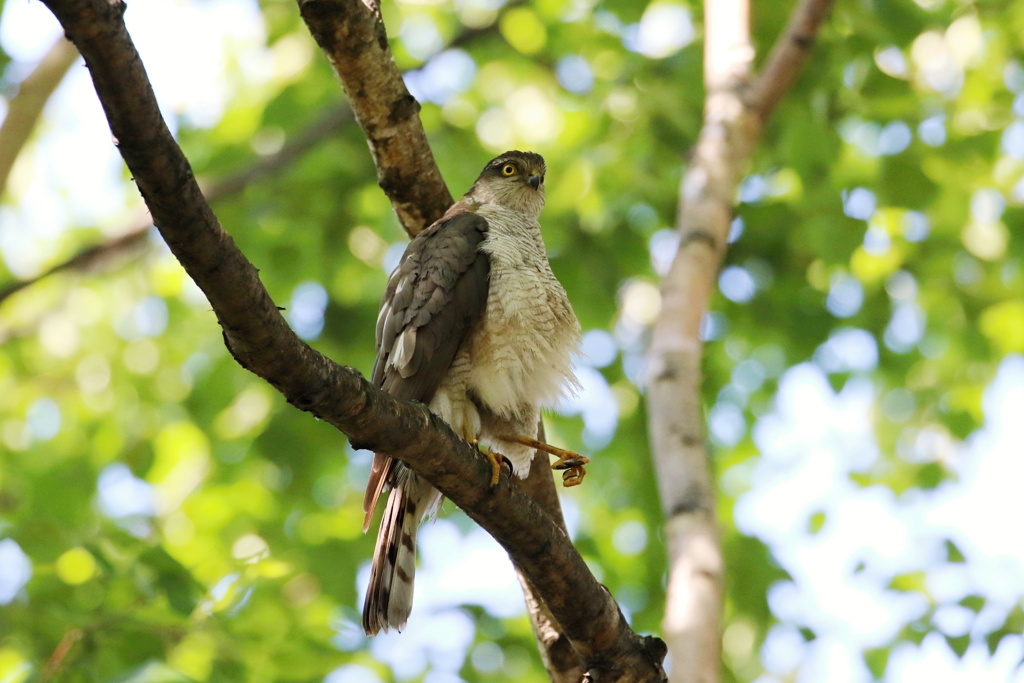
<point x="508" y="169"/>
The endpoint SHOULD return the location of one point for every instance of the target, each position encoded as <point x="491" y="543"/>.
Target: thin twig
<point x="332" y="120"/>
<point x="24" y="108"/>
<point x="788" y="56"/>
<point x="60" y="653"/>
<point x="133" y="240"/>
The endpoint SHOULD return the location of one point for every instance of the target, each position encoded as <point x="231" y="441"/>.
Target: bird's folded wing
<point x="433" y="299"/>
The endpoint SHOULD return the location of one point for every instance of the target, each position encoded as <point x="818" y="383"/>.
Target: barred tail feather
<point x="393" y="569"/>
<point x="380" y="476"/>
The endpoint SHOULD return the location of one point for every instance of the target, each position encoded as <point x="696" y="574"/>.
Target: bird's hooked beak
<point x="535" y="180"/>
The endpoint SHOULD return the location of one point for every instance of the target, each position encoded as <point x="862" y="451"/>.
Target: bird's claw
<point x="573" y="469"/>
<point x="573" y="476"/>
<point x="496" y="459"/>
<point x="569" y="461"/>
<point x="572" y="463"/>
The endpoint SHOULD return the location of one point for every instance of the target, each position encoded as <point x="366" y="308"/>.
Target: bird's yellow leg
<point x="495" y="459"/>
<point x="492" y="457"/>
<point x="571" y="462"/>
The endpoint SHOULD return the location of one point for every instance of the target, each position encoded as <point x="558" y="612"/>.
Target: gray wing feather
<point x="433" y="298"/>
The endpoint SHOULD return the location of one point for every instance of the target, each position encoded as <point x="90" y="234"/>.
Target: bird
<point x="474" y="324"/>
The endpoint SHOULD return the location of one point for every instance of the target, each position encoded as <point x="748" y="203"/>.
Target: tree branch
<point x="328" y="122"/>
<point x="133" y="240"/>
<point x="24" y="108"/>
<point x="788" y="56"/>
<point x="261" y="341"/>
<point x="733" y="115"/>
<point x="562" y="662"/>
<point x="351" y="33"/>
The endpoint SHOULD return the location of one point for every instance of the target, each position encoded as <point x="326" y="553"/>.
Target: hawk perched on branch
<point x="475" y="325"/>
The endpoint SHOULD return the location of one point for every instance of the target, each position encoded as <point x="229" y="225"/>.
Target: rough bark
<point x="261" y="341"/>
<point x="735" y="109"/>
<point x="352" y="34"/>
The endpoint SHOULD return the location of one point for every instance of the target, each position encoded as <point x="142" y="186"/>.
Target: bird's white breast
<point x="521" y="351"/>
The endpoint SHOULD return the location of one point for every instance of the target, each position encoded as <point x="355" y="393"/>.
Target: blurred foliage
<point x="182" y="522"/>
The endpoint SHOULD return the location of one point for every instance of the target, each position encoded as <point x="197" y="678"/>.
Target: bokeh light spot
<point x="43" y="419"/>
<point x="306" y="310"/>
<point x="15" y="570"/>
<point x="76" y="566"/>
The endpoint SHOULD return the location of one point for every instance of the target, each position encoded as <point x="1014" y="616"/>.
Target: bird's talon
<point x="573" y="463"/>
<point x="495" y="459"/>
<point x="573" y="470"/>
<point x="573" y="476"/>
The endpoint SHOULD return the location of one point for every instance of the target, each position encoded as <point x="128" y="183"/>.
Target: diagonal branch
<point x="735" y="109"/>
<point x="23" y="109"/>
<point x="133" y="240"/>
<point x="351" y="33"/>
<point x="327" y="123"/>
<point x="261" y="341"/>
<point x="788" y="56"/>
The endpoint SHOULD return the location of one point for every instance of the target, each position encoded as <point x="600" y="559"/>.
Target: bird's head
<point x="514" y="179"/>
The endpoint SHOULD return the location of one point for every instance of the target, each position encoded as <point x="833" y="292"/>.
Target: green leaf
<point x="975" y="603"/>
<point x="877" y="659"/>
<point x="930" y="475"/>
<point x="959" y="644"/>
<point x="953" y="552"/>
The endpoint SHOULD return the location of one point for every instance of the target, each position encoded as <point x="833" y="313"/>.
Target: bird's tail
<point x="393" y="570"/>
